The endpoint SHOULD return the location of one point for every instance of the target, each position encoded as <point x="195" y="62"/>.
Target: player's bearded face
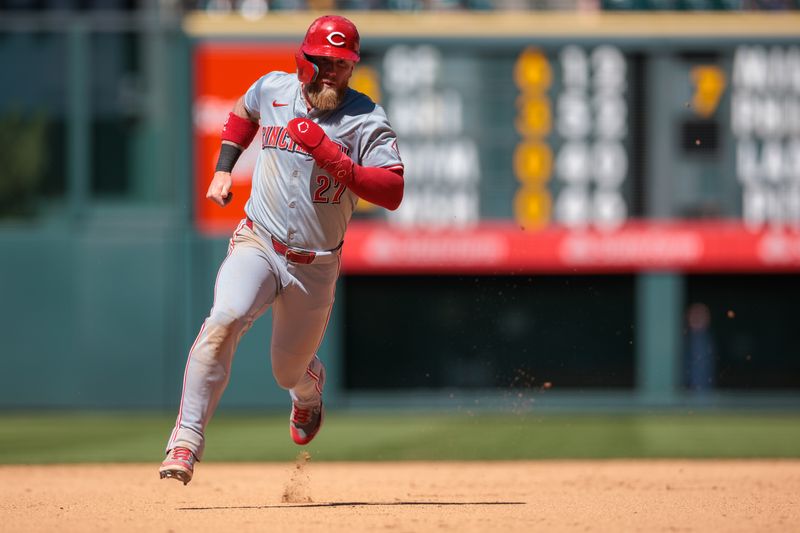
<point x="327" y="91"/>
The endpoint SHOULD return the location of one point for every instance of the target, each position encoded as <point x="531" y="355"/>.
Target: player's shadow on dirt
<point x="341" y="504"/>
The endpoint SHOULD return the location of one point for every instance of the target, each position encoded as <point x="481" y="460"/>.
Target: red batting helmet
<point x="331" y="36"/>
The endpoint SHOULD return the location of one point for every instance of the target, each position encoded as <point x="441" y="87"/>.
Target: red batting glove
<point x="325" y="152"/>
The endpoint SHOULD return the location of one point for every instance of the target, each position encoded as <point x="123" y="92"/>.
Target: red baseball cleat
<point x="304" y="423"/>
<point x="179" y="465"/>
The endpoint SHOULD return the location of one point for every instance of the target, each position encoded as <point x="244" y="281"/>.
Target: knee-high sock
<point x="308" y="390"/>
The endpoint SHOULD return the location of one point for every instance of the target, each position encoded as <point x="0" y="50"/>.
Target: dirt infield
<point x="465" y="497"/>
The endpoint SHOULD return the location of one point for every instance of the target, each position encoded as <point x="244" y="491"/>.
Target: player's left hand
<point x="328" y="155"/>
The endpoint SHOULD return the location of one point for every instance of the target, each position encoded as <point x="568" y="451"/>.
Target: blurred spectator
<point x="71" y="5"/>
<point x="699" y="363"/>
<point x="258" y="8"/>
<point x="699" y="5"/>
<point x="770" y="4"/>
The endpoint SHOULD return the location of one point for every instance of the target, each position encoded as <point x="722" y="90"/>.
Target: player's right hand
<point x="219" y="191"/>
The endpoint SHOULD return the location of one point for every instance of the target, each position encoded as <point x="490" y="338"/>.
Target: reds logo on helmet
<point x="332" y="36"/>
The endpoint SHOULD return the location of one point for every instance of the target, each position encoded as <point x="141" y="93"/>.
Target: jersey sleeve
<point x="252" y="98"/>
<point x="379" y="142"/>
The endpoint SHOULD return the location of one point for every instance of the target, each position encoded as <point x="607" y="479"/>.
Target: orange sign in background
<point x="222" y="73"/>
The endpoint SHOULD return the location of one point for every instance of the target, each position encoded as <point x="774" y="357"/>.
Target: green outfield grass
<point x="126" y="437"/>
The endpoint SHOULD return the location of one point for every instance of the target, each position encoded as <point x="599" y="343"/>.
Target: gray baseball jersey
<point x="295" y="201"/>
<point x="292" y="197"/>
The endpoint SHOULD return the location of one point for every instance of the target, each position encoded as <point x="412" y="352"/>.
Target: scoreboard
<point x="538" y="136"/>
<point x="536" y="144"/>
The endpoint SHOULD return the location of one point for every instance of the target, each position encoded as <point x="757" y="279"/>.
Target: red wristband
<point x="239" y="130"/>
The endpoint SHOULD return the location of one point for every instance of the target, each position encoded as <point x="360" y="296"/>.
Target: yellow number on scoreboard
<point x="532" y="207"/>
<point x="535" y="116"/>
<point x="533" y="163"/>
<point x="532" y="72"/>
<point x="709" y="82"/>
<point x="365" y="79"/>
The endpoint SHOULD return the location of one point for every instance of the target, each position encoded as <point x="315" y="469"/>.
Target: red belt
<point x="291" y="254"/>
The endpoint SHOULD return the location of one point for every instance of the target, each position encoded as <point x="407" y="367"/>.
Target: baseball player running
<point x="323" y="145"/>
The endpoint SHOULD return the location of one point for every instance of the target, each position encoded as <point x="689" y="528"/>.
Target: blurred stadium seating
<point x="255" y="8"/>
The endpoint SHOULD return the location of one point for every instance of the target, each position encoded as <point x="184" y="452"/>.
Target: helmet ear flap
<point x="306" y="70"/>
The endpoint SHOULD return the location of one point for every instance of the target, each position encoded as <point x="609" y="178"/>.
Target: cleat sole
<point x="176" y="474"/>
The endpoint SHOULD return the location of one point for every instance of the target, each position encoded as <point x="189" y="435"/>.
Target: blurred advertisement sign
<point x="500" y="248"/>
<point x="222" y="73"/>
